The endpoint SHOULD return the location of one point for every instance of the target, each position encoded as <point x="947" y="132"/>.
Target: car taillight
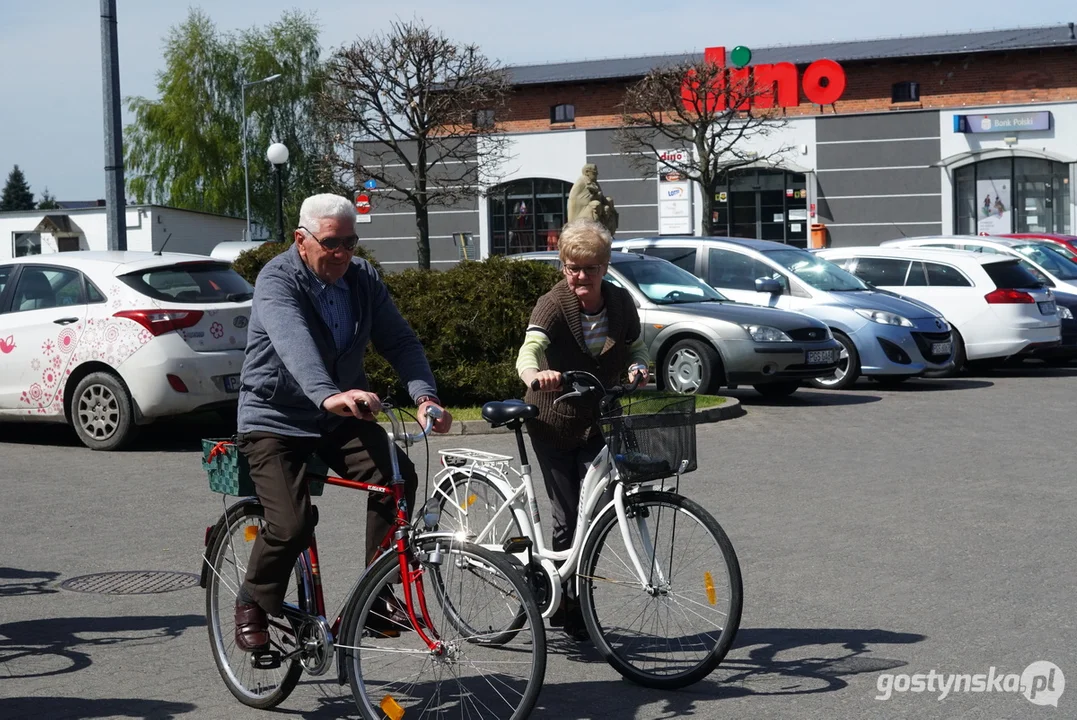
<point x="1008" y="296"/>
<point x="159" y="322"/>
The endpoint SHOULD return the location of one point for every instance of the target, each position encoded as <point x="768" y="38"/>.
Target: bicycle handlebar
<point x="584" y="383"/>
<point x="433" y="414"/>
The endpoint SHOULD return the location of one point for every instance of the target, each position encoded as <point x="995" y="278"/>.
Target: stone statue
<point x="585" y="200"/>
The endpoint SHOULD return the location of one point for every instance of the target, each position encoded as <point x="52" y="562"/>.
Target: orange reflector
<point x="250" y="532"/>
<point x="659" y="327"/>
<point x="708" y="581"/>
<point x="391" y="708"/>
<point x="469" y="502"/>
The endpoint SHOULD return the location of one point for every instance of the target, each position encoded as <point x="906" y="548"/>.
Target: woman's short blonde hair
<point x="585" y="241"/>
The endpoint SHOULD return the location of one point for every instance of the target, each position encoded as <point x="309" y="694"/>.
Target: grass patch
<point x="475" y="412"/>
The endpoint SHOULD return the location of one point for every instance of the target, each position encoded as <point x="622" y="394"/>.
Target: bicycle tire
<point x="671" y="601"/>
<point x="232" y="663"/>
<point x="401" y="690"/>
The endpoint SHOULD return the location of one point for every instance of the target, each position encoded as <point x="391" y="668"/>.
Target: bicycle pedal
<point x="265" y="660"/>
<point x="516" y="544"/>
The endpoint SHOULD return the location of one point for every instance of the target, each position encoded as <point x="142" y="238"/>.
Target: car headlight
<point x="765" y="333"/>
<point x="884" y="318"/>
<point x="1065" y="313"/>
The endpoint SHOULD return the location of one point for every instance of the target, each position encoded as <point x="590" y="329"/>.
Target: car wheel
<point x="848" y="367"/>
<point x="692" y="367"/>
<point x="777" y="389"/>
<point x="102" y="413"/>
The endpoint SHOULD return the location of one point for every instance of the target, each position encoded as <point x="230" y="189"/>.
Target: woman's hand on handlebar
<point x="637" y="375"/>
<point x="544" y="380"/>
<point x="442" y="418"/>
<point x="353" y="403"/>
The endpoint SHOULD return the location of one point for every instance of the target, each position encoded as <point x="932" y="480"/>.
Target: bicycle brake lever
<point x="574" y="393"/>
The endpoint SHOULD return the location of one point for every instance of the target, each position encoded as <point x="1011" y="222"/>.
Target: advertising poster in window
<point x="993" y="197"/>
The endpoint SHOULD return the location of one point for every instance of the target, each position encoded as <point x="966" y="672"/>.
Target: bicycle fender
<point x="222" y="522"/>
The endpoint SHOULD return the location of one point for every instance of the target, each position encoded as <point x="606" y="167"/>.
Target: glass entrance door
<point x="768" y="205"/>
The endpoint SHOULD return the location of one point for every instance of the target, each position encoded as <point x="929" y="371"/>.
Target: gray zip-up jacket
<point x="292" y="364"/>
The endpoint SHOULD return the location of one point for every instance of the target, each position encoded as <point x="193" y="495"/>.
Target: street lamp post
<point x="243" y="110"/>
<point x="278" y="155"/>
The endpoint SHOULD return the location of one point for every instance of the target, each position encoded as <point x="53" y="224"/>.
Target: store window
<point x="766" y="204"/>
<point x="482" y="119"/>
<point x="526" y="215"/>
<point x="1012" y="195"/>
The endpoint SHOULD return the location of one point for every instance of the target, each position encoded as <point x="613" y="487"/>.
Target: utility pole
<point x="115" y="202"/>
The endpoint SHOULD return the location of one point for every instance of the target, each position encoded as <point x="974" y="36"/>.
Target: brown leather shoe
<point x="252" y="627"/>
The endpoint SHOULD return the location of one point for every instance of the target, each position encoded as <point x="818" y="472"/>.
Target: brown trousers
<point x="357" y="450"/>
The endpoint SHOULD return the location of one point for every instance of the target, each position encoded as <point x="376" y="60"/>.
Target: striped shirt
<point x="595" y="329"/>
<point x="335" y="308"/>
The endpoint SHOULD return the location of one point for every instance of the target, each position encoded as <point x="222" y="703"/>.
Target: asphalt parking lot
<point x="882" y="533"/>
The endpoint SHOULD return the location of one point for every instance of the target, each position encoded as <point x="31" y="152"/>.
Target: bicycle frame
<point x="562" y="565"/>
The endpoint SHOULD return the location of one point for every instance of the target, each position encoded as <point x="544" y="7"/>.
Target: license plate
<point x="231" y="383"/>
<point x="821" y="357"/>
<point x="941" y="348"/>
<point x="1048" y="307"/>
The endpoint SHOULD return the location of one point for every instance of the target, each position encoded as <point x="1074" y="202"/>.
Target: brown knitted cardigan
<point x="571" y="422"/>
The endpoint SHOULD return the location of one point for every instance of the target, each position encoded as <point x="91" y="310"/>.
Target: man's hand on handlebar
<point x="543" y="380"/>
<point x="442" y="418"/>
<point x="353" y="403"/>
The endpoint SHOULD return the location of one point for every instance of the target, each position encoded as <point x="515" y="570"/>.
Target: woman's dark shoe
<point x="575" y="627"/>
<point x="252" y="627"/>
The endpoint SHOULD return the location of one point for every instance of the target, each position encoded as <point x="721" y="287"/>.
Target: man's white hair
<point x="324" y="207"/>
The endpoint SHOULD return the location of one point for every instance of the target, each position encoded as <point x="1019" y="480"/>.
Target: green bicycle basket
<point x="229" y="473"/>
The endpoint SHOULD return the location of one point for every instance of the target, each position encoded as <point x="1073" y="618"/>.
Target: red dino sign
<point x="823" y="83"/>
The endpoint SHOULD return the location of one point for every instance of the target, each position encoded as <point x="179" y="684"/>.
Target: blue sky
<point x="51" y="123"/>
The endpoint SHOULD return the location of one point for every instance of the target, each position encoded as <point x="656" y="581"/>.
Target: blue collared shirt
<point x="335" y="307"/>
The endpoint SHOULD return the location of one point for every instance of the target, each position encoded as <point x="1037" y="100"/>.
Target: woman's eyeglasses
<point x="588" y="270"/>
<point x="334" y="243"/>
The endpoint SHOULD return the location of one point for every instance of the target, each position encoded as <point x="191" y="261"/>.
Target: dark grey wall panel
<point x="600" y="141"/>
<point x="919" y="153"/>
<point x="879" y="182"/>
<point x="874" y="127"/>
<point x="885" y="210"/>
<point x="617" y="166"/>
<point x="876" y="234"/>
<point x="378" y="153"/>
<point x="636" y="219"/>
<point x="406" y="251"/>
<point x="631" y="193"/>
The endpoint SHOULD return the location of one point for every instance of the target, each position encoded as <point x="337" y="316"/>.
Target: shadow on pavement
<point x="780" y="661"/>
<point x="15" y="582"/>
<point x="61" y="708"/>
<point x="181" y="434"/>
<point x="802" y="398"/>
<point x="933" y="385"/>
<point x="57" y="646"/>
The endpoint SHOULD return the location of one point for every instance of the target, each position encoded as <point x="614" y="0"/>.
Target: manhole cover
<point x="135" y="582"/>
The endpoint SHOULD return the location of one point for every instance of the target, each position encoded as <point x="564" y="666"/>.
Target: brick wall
<point x="1009" y="78"/>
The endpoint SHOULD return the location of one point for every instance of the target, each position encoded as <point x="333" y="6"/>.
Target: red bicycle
<point x="467" y="640"/>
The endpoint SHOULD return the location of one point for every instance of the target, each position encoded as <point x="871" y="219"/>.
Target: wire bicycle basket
<point x="651" y="436"/>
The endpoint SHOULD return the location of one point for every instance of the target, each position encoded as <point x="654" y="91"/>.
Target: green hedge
<point x="471" y="320"/>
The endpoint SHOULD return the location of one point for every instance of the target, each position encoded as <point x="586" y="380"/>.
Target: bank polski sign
<point x="1002" y="122"/>
<point x="675" y="214"/>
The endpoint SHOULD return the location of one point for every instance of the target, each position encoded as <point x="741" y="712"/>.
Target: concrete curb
<point x="728" y="410"/>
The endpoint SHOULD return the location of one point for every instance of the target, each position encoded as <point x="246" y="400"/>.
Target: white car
<point x="996" y="307"/>
<point x="1051" y="268"/>
<point x="107" y="341"/>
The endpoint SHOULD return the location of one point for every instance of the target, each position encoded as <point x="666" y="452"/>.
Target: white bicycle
<point x="657" y="578"/>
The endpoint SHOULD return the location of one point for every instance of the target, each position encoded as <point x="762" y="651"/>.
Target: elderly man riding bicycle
<point x="303" y="388"/>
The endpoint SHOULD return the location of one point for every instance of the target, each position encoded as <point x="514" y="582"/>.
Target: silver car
<point x="700" y="340"/>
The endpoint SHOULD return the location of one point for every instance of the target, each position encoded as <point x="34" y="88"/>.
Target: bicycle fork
<point x="646" y="578"/>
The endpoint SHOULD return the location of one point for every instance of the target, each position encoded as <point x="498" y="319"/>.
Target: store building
<point x="964" y="133"/>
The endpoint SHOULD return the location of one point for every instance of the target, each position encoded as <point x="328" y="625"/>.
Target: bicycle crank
<point x="316" y="643"/>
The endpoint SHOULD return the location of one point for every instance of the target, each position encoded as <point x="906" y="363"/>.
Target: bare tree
<point x="720" y="117"/>
<point x="414" y="111"/>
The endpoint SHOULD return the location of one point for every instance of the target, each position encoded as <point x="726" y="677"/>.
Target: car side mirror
<point x="768" y="285"/>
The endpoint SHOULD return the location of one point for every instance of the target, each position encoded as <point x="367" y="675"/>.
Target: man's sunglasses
<point x="334" y="243"/>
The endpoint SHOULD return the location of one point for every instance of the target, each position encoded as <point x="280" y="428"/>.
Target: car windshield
<point x="665" y="284"/>
<point x="819" y="273"/>
<point x="198" y="282"/>
<point x="1049" y="260"/>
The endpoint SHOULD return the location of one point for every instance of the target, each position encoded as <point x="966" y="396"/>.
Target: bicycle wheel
<point x="467" y="677"/>
<point x="469" y="499"/>
<point x="675" y="631"/>
<point x="257" y="687"/>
